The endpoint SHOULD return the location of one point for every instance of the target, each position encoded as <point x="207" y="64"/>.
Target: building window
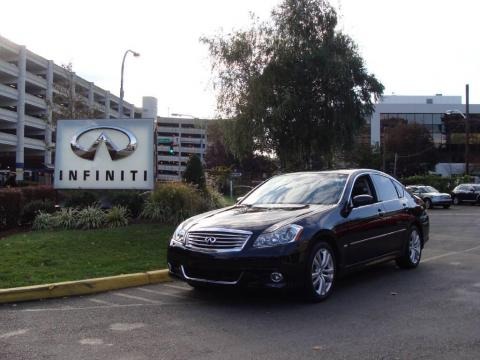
<point x="429" y="101"/>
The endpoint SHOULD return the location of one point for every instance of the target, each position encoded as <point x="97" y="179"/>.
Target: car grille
<point x="217" y="240"/>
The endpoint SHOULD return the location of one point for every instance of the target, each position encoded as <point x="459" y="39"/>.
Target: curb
<point x="82" y="287"/>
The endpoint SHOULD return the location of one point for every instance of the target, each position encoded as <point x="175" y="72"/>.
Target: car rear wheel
<point x="321" y="272"/>
<point x="428" y="203"/>
<point x="413" y="251"/>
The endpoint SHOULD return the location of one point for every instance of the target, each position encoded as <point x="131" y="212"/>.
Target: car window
<point x="399" y="188"/>
<point x="299" y="188"/>
<point x="363" y="186"/>
<point x="384" y="188"/>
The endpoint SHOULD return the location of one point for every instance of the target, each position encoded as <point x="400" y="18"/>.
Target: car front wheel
<point x="413" y="251"/>
<point x="456" y="201"/>
<point x="321" y="272"/>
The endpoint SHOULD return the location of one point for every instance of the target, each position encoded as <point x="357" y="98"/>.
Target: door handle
<point x="380" y="212"/>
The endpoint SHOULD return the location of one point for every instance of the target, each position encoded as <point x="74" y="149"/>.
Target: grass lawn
<point x="40" y="257"/>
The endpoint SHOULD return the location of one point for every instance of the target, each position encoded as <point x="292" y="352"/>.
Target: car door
<point x="463" y="193"/>
<point x="363" y="225"/>
<point x="395" y="217"/>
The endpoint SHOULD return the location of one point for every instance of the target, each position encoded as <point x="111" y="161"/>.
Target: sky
<point x="414" y="47"/>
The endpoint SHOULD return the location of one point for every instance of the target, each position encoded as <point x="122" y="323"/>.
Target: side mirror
<point x="362" y="200"/>
<point x="240" y="199"/>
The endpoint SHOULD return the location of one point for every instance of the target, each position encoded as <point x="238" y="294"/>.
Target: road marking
<point x="14" y="333"/>
<point x="451" y="253"/>
<point x="126" y="326"/>
<point x="177" y="287"/>
<point x="137" y="298"/>
<point x="98" y="301"/>
<point x="91" y="341"/>
<point x="83" y="308"/>
<point x="160" y="293"/>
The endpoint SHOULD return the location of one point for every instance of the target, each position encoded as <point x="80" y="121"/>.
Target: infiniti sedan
<point x="302" y="230"/>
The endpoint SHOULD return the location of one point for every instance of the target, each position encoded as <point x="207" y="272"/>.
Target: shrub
<point x="194" y="173"/>
<point x="117" y="216"/>
<point x="40" y="192"/>
<point x="91" y="217"/>
<point x="173" y="202"/>
<point x="132" y="200"/>
<point x="214" y="199"/>
<point x="80" y="199"/>
<point x="10" y="207"/>
<point x="44" y="221"/>
<point x="32" y="208"/>
<point x="66" y="219"/>
<point x="442" y="184"/>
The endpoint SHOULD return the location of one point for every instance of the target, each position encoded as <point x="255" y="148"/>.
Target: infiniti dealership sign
<point x="105" y="154"/>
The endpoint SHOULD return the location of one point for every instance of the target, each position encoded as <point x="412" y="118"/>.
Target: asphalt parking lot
<point x="432" y="312"/>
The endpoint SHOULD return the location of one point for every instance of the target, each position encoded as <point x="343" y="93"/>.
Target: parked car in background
<point x="302" y="230"/>
<point x="431" y="196"/>
<point x="466" y="193"/>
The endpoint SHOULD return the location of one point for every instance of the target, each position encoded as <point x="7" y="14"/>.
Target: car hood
<point x="435" y="194"/>
<point x="253" y="218"/>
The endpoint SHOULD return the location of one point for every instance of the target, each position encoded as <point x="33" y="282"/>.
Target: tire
<point x="320" y="273"/>
<point x="413" y="250"/>
<point x="446" y="206"/>
<point x="428" y="203"/>
<point x="456" y="201"/>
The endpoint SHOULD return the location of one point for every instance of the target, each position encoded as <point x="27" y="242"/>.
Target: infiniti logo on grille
<point x="210" y="240"/>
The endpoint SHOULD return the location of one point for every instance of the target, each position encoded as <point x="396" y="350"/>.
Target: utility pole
<point x="395" y="165"/>
<point x="467" y="128"/>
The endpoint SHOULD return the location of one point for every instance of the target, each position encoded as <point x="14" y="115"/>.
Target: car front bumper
<point x="252" y="268"/>
<point x="441" y="202"/>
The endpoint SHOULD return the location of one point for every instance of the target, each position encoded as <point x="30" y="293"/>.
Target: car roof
<point x="340" y="171"/>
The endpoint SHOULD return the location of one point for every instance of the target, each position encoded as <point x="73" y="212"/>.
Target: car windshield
<point x="306" y="188"/>
<point x="430" y="189"/>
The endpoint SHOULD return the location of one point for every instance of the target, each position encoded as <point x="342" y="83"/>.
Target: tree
<point x="66" y="102"/>
<point x="294" y="86"/>
<point x="413" y="144"/>
<point x="194" y="173"/>
<point x="217" y="153"/>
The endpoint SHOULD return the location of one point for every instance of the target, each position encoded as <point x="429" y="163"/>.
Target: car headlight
<point x="284" y="235"/>
<point x="179" y="236"/>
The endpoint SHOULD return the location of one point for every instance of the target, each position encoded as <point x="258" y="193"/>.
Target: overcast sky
<point x="414" y="47"/>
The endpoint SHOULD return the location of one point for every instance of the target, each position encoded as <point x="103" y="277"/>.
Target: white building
<point x="426" y="110"/>
<point x="178" y="139"/>
<point x="28" y="85"/>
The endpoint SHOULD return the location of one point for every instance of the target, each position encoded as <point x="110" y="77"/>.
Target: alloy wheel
<point x="414" y="247"/>
<point x="323" y="271"/>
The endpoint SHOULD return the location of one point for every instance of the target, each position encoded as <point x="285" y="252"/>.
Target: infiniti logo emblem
<point x="210" y="240"/>
<point x="113" y="150"/>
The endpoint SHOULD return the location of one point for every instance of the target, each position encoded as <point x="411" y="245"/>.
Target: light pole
<point x="120" y="106"/>
<point x="465" y="117"/>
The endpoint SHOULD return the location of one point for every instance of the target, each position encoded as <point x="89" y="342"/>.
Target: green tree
<point x="413" y="144"/>
<point x="294" y="86"/>
<point x="194" y="173"/>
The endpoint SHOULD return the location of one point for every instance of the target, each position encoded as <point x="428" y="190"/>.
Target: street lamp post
<point x="120" y="106"/>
